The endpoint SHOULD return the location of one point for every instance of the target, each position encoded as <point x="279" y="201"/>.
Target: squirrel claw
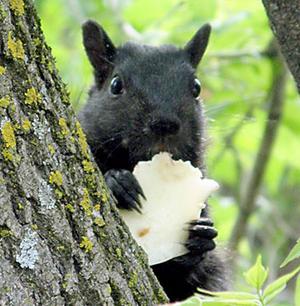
<point x="125" y="188"/>
<point x="201" y="235"/>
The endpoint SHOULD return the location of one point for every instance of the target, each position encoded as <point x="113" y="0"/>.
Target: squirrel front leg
<point x="202" y="267"/>
<point x="125" y="188"/>
<point x="180" y="277"/>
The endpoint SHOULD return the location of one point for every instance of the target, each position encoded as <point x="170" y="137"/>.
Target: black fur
<point x="156" y="111"/>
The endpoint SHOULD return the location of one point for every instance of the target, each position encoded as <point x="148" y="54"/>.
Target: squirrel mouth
<point x="155" y="148"/>
<point x="162" y="147"/>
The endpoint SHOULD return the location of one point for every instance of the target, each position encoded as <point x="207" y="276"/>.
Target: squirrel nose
<point x="165" y="127"/>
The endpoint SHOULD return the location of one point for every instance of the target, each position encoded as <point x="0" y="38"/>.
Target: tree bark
<point x="284" y="19"/>
<point x="61" y="239"/>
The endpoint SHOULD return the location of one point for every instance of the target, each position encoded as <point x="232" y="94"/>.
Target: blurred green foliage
<point x="259" y="293"/>
<point x="236" y="79"/>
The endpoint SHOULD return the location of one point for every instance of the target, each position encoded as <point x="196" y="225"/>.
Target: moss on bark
<point x="61" y="239"/>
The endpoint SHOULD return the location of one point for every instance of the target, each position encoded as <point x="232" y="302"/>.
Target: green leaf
<point x="230" y="294"/>
<point x="278" y="285"/>
<point x="231" y="302"/>
<point x="228" y="298"/>
<point x="297" y="292"/>
<point x="294" y="253"/>
<point x="257" y="274"/>
<point x="193" y="301"/>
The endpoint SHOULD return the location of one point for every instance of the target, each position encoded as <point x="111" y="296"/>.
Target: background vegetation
<point x="237" y="79"/>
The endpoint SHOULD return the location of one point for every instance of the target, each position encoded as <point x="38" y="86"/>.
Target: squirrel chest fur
<point x="145" y="100"/>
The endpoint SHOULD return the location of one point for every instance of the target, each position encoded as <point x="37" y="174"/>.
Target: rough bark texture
<point x="61" y="239"/>
<point x="284" y="18"/>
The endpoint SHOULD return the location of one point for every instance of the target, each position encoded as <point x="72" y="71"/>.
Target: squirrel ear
<point x="196" y="47"/>
<point x="99" y="48"/>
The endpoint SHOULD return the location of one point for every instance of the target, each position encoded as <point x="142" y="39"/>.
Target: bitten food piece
<point x="175" y="194"/>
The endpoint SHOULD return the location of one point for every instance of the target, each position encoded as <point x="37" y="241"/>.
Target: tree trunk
<point x="284" y="18"/>
<point x="61" y="239"/>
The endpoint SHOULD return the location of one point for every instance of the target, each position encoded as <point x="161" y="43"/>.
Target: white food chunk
<point x="175" y="193"/>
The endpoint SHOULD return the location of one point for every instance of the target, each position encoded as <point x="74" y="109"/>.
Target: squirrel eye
<point x="116" y="86"/>
<point x="196" y="88"/>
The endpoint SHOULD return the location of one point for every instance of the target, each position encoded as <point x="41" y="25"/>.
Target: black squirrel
<point x="146" y="100"/>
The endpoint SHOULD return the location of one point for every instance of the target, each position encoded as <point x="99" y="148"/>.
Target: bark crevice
<point x="61" y="239"/>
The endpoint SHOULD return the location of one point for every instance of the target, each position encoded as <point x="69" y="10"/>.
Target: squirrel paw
<point x="125" y="188"/>
<point x="201" y="235"/>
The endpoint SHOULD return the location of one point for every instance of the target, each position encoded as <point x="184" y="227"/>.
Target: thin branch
<point x="229" y="55"/>
<point x="248" y="199"/>
<point x="228" y="139"/>
<point x="269" y="52"/>
<point x="75" y="10"/>
<point x="117" y="8"/>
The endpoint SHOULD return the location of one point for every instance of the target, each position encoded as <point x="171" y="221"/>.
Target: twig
<point x="269" y="52"/>
<point x="117" y="7"/>
<point x="229" y="55"/>
<point x="75" y="9"/>
<point x="228" y="139"/>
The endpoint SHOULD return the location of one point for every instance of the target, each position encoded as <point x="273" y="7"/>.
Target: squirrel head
<point x="145" y="99"/>
<point x="102" y="53"/>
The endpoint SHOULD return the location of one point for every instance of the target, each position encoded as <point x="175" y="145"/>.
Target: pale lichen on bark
<point x="28" y="255"/>
<point x="61" y="239"/>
